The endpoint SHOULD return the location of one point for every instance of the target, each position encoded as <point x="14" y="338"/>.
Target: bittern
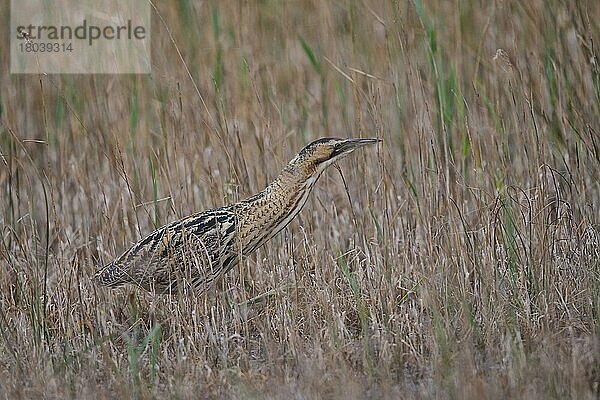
<point x="196" y="251"/>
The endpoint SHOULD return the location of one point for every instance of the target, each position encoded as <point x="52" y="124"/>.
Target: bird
<point x="196" y="251"/>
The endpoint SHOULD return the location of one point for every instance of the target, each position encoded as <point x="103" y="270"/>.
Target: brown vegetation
<point x="461" y="260"/>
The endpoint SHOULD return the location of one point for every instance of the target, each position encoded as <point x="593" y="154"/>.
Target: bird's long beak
<point x="348" y="145"/>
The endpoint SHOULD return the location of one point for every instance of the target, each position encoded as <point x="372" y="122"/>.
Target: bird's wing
<point x="192" y="249"/>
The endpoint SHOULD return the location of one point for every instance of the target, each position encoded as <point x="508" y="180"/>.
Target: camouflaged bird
<point x="197" y="250"/>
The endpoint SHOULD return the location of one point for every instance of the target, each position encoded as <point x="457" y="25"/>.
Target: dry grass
<point x="460" y="259"/>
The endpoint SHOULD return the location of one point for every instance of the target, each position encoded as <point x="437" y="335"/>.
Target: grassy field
<point x="459" y="259"/>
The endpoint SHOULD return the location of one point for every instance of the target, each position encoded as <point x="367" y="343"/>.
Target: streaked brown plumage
<point x="197" y="250"/>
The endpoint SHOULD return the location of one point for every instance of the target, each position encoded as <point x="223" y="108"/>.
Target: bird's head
<point x="318" y="155"/>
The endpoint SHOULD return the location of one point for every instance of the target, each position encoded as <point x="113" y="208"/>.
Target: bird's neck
<point x="263" y="215"/>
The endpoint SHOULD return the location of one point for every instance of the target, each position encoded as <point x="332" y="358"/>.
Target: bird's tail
<point x="111" y="275"/>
